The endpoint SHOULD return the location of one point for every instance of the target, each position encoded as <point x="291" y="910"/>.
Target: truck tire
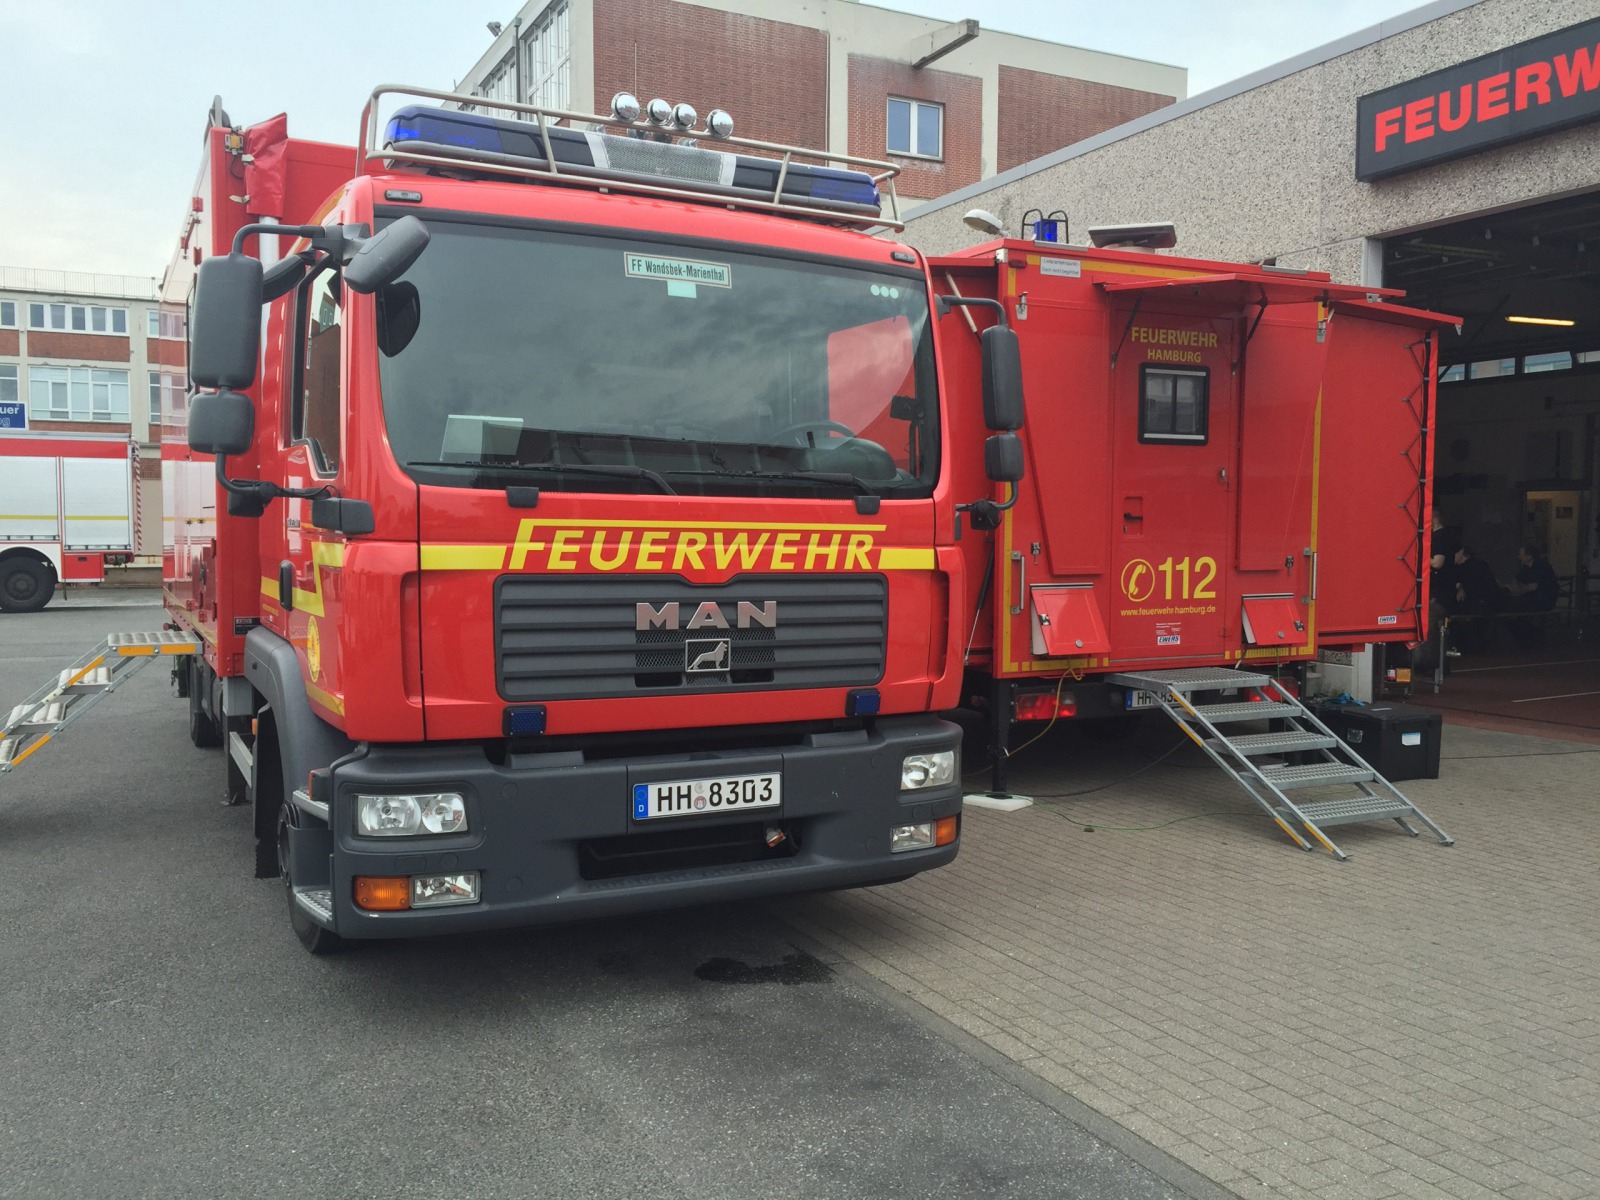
<point x="312" y="936"/>
<point x="203" y="730"/>
<point x="26" y="584"/>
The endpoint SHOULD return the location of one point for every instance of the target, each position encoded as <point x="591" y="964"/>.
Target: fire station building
<point x="1453" y="152"/>
<point x="951" y="102"/>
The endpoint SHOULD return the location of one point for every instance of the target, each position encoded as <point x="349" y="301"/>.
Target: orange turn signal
<point x="383" y="893"/>
<point x="944" y="830"/>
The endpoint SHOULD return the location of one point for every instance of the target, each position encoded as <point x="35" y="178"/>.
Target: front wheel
<point x="26" y="584"/>
<point x="312" y="936"/>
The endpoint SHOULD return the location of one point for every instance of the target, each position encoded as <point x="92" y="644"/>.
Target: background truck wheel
<point x="203" y="731"/>
<point x="26" y="584"/>
<point x="312" y="936"/>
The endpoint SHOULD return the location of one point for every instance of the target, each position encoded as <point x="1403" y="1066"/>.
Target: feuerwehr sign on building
<point x="1534" y="87"/>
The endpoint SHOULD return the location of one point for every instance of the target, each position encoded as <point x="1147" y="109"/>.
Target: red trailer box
<point x="1226" y="465"/>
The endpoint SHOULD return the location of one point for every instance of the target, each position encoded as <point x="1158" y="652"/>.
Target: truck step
<point x="96" y="680"/>
<point x="1260" y="710"/>
<point x="1316" y="775"/>
<point x="162" y="641"/>
<point x="1352" y="809"/>
<point x="35" y="718"/>
<point x="1255" y="744"/>
<point x="1188" y="679"/>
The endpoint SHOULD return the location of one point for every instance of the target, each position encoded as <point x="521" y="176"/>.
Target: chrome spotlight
<point x="625" y="106"/>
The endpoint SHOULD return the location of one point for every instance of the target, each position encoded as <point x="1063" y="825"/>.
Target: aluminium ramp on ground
<point x="66" y="698"/>
<point x="1188" y="697"/>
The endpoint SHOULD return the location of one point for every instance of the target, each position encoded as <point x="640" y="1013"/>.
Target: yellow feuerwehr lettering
<point x="597" y="556"/>
<point x="562" y="549"/>
<point x="784" y="548"/>
<point x="815" y="550"/>
<point x="856" y="552"/>
<point x="740" y="546"/>
<point x="687" y="550"/>
<point x="652" y="545"/>
<point x="523" y="544"/>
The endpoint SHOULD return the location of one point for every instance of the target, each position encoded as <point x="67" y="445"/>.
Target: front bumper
<point x="554" y="840"/>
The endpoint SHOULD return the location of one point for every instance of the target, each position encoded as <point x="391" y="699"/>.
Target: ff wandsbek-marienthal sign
<point x="1533" y="87"/>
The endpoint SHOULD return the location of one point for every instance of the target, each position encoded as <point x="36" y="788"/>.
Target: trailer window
<point x="1172" y="406"/>
<point x="316" y="417"/>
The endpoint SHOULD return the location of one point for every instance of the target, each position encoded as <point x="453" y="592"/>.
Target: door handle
<point x="1022" y="581"/>
<point x="1222" y="474"/>
<point x="286" y="585"/>
<point x="1128" y="516"/>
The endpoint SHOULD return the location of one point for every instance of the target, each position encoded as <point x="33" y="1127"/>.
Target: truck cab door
<point x="1174" y="415"/>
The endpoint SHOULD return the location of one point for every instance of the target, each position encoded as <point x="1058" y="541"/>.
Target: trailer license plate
<point x="1141" y="700"/>
<point x="702" y="797"/>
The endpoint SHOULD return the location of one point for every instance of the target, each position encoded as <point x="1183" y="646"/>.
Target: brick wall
<point x="874" y="80"/>
<point x="84" y="347"/>
<point x="164" y="352"/>
<point x="10" y="340"/>
<point x="770" y="75"/>
<point x="1040" y="113"/>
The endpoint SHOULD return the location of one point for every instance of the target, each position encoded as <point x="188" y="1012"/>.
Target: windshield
<point x="609" y="364"/>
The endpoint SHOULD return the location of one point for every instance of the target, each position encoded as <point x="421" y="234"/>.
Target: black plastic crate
<point x="1398" y="741"/>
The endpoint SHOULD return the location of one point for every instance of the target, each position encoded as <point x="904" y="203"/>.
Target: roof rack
<point x="769" y="181"/>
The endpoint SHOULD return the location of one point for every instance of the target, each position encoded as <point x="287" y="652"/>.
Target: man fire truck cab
<point x="567" y="514"/>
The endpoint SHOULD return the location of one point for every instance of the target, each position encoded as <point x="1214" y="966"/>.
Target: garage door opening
<point x="1517" y="450"/>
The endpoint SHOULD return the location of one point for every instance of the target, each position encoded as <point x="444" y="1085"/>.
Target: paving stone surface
<point x="1419" y="1021"/>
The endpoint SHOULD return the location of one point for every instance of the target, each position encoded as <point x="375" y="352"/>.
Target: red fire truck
<point x="1226" y="466"/>
<point x="568" y="549"/>
<point x="66" y="513"/>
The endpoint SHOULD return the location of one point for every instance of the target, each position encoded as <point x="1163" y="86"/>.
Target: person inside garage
<point x="1442" y="546"/>
<point x="1471" y="592"/>
<point x="1534" y="591"/>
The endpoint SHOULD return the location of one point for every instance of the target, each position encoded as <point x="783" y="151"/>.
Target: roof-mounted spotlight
<point x="719" y="123"/>
<point x="494" y="28"/>
<point x="684" y="116"/>
<point x="1143" y="235"/>
<point x="659" y="111"/>
<point x="625" y="107"/>
<point x="984" y="222"/>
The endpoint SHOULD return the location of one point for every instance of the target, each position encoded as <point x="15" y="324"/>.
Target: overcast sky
<point x="104" y="101"/>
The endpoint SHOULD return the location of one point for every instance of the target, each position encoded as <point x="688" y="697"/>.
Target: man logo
<point x="706" y="616"/>
<point x="706" y="654"/>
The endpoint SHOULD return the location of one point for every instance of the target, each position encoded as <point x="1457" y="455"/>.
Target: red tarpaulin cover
<point x="267" y="144"/>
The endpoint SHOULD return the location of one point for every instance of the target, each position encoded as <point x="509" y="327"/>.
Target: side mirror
<point x="221" y="423"/>
<point x="225" y="335"/>
<point x="386" y="255"/>
<point x="1002" y="458"/>
<point x="1002" y="379"/>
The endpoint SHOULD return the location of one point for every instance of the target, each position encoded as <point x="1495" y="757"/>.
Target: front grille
<point x="575" y="638"/>
<point x="652" y="851"/>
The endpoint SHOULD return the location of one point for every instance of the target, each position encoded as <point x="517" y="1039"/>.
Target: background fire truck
<point x="577" y="549"/>
<point x="66" y="513"/>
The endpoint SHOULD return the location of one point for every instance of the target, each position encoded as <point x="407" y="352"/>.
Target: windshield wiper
<point x="838" y="478"/>
<point x="616" y="470"/>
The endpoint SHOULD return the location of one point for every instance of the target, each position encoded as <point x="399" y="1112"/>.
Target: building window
<point x="547" y="61"/>
<point x="78" y="318"/>
<point x="8" y="314"/>
<point x="916" y="127"/>
<point x="77" y="394"/>
<point x="163" y="387"/>
<point x="1556" y="360"/>
<point x="8" y="385"/>
<point x="1492" y="368"/>
<point x="1454" y="373"/>
<point x="1172" y="406"/>
<point x="159" y="324"/>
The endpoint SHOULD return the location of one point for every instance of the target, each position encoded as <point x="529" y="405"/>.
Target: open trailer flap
<point x="1066" y="621"/>
<point x="1273" y="621"/>
<point x="1241" y="291"/>
<point x="1397" y="314"/>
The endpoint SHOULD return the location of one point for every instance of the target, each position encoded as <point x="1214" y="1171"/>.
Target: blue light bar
<point x="642" y="158"/>
<point x="1047" y="230"/>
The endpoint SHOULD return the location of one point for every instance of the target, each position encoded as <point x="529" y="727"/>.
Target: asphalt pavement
<point x="164" y="1034"/>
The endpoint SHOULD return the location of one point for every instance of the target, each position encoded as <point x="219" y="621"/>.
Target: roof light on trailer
<point x="659" y="111"/>
<point x="684" y="116"/>
<point x="625" y="106"/>
<point x="719" y="123"/>
<point x="1048" y="230"/>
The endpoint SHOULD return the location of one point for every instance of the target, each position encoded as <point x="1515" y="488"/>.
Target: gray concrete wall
<point x="1270" y="171"/>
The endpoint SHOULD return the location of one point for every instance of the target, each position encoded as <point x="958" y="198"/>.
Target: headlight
<point x="927" y="770"/>
<point x="408" y="816"/>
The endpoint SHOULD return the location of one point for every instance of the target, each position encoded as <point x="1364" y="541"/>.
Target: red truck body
<point x="1226" y="465"/>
